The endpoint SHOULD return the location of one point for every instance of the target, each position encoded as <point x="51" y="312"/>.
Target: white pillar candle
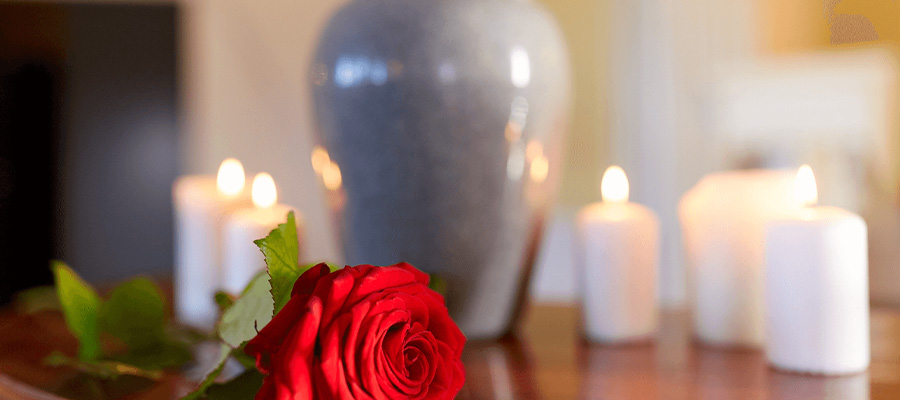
<point x="242" y="258"/>
<point x="201" y="203"/>
<point x="817" y="295"/>
<point x="619" y="254"/>
<point x="723" y="221"/>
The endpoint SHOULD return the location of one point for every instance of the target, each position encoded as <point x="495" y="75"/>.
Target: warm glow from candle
<point x="263" y="192"/>
<point x="614" y="185"/>
<point x="320" y="159"/>
<point x="534" y="150"/>
<point x="331" y="176"/>
<point x="540" y="167"/>
<point x="230" y="179"/>
<point x="805" y="190"/>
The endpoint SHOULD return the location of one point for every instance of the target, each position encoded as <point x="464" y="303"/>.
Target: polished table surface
<point x="546" y="360"/>
<point x="551" y="361"/>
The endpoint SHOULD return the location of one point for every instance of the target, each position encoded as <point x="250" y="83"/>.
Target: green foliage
<point x="101" y="369"/>
<point x="250" y="312"/>
<point x="134" y="312"/>
<point x="166" y="353"/>
<point x="37" y="299"/>
<point x="240" y="322"/>
<point x="266" y="294"/>
<point x="243" y="387"/>
<point x="80" y="305"/>
<point x="282" y="252"/>
<point x="246" y="360"/>
<point x="224" y="301"/>
<point x="224" y="352"/>
<point x="438" y="284"/>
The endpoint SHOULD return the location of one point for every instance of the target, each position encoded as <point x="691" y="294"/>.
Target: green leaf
<point x="165" y="353"/>
<point x="189" y="335"/>
<point x="80" y="305"/>
<point x="243" y="387"/>
<point x="101" y="369"/>
<point x="438" y="284"/>
<point x="249" y="313"/>
<point x="224" y="301"/>
<point x="224" y="353"/>
<point x="246" y="360"/>
<point x="135" y="314"/>
<point x="37" y="299"/>
<point x="282" y="252"/>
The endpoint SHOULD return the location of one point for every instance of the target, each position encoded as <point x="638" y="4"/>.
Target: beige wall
<point x="246" y="96"/>
<point x="833" y="25"/>
<point x="584" y="24"/>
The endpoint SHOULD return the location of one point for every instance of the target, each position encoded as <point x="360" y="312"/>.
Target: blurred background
<point x="104" y="103"/>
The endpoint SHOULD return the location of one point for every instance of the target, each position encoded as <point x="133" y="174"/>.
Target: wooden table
<point x="551" y="361"/>
<point x="548" y="360"/>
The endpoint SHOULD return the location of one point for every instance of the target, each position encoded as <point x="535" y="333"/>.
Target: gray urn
<point x="443" y="123"/>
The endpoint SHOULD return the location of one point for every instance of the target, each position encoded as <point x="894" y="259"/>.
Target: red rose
<point x="363" y="332"/>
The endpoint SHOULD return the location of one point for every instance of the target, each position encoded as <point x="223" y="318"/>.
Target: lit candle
<point x="723" y="221"/>
<point x="201" y="203"/>
<point x="817" y="295"/>
<point x="619" y="257"/>
<point x="242" y="258"/>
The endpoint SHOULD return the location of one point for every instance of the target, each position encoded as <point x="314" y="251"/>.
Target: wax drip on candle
<point x="263" y="192"/>
<point x="614" y="185"/>
<point x="230" y="179"/>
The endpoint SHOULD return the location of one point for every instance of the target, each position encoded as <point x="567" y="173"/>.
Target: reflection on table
<point x="547" y="359"/>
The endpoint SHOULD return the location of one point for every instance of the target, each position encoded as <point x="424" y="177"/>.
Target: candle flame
<point x="805" y="190"/>
<point x="614" y="185"/>
<point x="263" y="192"/>
<point x="230" y="179"/>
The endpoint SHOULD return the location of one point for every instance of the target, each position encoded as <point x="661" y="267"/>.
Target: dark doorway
<point x="88" y="140"/>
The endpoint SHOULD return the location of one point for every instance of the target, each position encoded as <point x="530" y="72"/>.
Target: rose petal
<point x="415" y="383"/>
<point x="366" y="359"/>
<point x="440" y="323"/>
<point x="450" y="376"/>
<point x="330" y="364"/>
<point x="269" y="339"/>
<point x="295" y="357"/>
<point x="381" y="317"/>
<point x="351" y="365"/>
<point x="308" y="279"/>
<point x="333" y="291"/>
<point x="418" y="309"/>
<point x="421" y="277"/>
<point x="394" y="375"/>
<point x="392" y="347"/>
<point x="363" y="332"/>
<point x="425" y="343"/>
<point x="381" y="367"/>
<point x="446" y="331"/>
<point x="267" y="391"/>
<point x="376" y="280"/>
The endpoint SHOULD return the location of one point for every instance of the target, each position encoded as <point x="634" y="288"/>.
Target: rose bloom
<point x="362" y="332"/>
